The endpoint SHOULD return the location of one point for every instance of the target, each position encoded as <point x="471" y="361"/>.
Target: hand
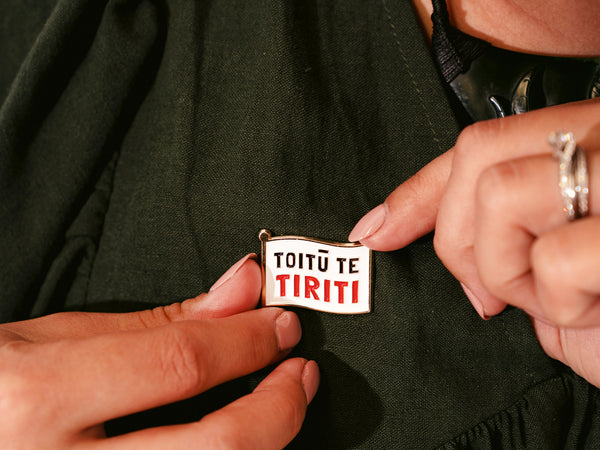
<point x="500" y="228"/>
<point x="64" y="375"/>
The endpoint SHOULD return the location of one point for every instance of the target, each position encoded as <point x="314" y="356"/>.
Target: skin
<point x="70" y="362"/>
<point x="493" y="198"/>
<point x="89" y="368"/>
<point x="495" y="205"/>
<point x="550" y="27"/>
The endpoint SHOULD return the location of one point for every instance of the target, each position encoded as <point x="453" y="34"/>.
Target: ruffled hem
<point x="560" y="413"/>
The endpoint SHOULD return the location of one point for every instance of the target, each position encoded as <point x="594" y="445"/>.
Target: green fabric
<point x="143" y="145"/>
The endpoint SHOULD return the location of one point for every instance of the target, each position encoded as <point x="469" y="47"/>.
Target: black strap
<point x="453" y="50"/>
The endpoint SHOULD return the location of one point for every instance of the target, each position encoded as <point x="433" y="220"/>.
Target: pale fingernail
<point x="477" y="304"/>
<point x="310" y="380"/>
<point x="369" y="224"/>
<point x="231" y="272"/>
<point x="287" y="330"/>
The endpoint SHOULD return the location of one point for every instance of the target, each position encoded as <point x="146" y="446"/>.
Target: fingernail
<point x="477" y="304"/>
<point x="310" y="380"/>
<point x="231" y="272"/>
<point x="369" y="224"/>
<point x="287" y="330"/>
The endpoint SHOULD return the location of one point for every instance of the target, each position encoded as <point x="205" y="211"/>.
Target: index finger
<point x="238" y="291"/>
<point x="411" y="210"/>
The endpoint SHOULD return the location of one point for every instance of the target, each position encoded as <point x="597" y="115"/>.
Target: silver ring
<point x="572" y="174"/>
<point x="581" y="182"/>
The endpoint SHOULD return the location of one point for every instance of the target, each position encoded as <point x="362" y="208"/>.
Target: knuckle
<point x="491" y="282"/>
<point x="450" y="244"/>
<point x="19" y="390"/>
<point x="160" y="315"/>
<point x="16" y="400"/>
<point x="180" y="359"/>
<point x="495" y="185"/>
<point x="502" y="285"/>
<point x="543" y="259"/>
<point x="475" y="137"/>
<point x="169" y="313"/>
<point x="550" y="259"/>
<point x="443" y="244"/>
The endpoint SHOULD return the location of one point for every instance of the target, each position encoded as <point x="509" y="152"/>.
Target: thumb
<point x="409" y="212"/>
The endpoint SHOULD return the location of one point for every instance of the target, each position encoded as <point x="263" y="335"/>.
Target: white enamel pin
<point x="315" y="274"/>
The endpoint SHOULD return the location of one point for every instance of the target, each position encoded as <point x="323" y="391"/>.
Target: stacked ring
<point x="581" y="182"/>
<point x="573" y="174"/>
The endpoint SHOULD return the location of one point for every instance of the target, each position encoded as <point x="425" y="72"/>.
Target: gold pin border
<point x="265" y="235"/>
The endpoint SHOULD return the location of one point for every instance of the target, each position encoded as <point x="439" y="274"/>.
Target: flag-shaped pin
<point x="316" y="274"/>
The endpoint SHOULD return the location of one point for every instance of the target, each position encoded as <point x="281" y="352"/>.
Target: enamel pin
<point x="315" y="274"/>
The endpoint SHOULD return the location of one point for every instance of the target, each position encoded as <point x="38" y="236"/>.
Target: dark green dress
<point x="143" y="145"/>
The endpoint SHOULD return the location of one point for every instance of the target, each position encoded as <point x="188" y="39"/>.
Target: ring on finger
<point x="573" y="174"/>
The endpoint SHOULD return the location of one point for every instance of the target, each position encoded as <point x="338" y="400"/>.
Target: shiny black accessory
<point x="491" y="82"/>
